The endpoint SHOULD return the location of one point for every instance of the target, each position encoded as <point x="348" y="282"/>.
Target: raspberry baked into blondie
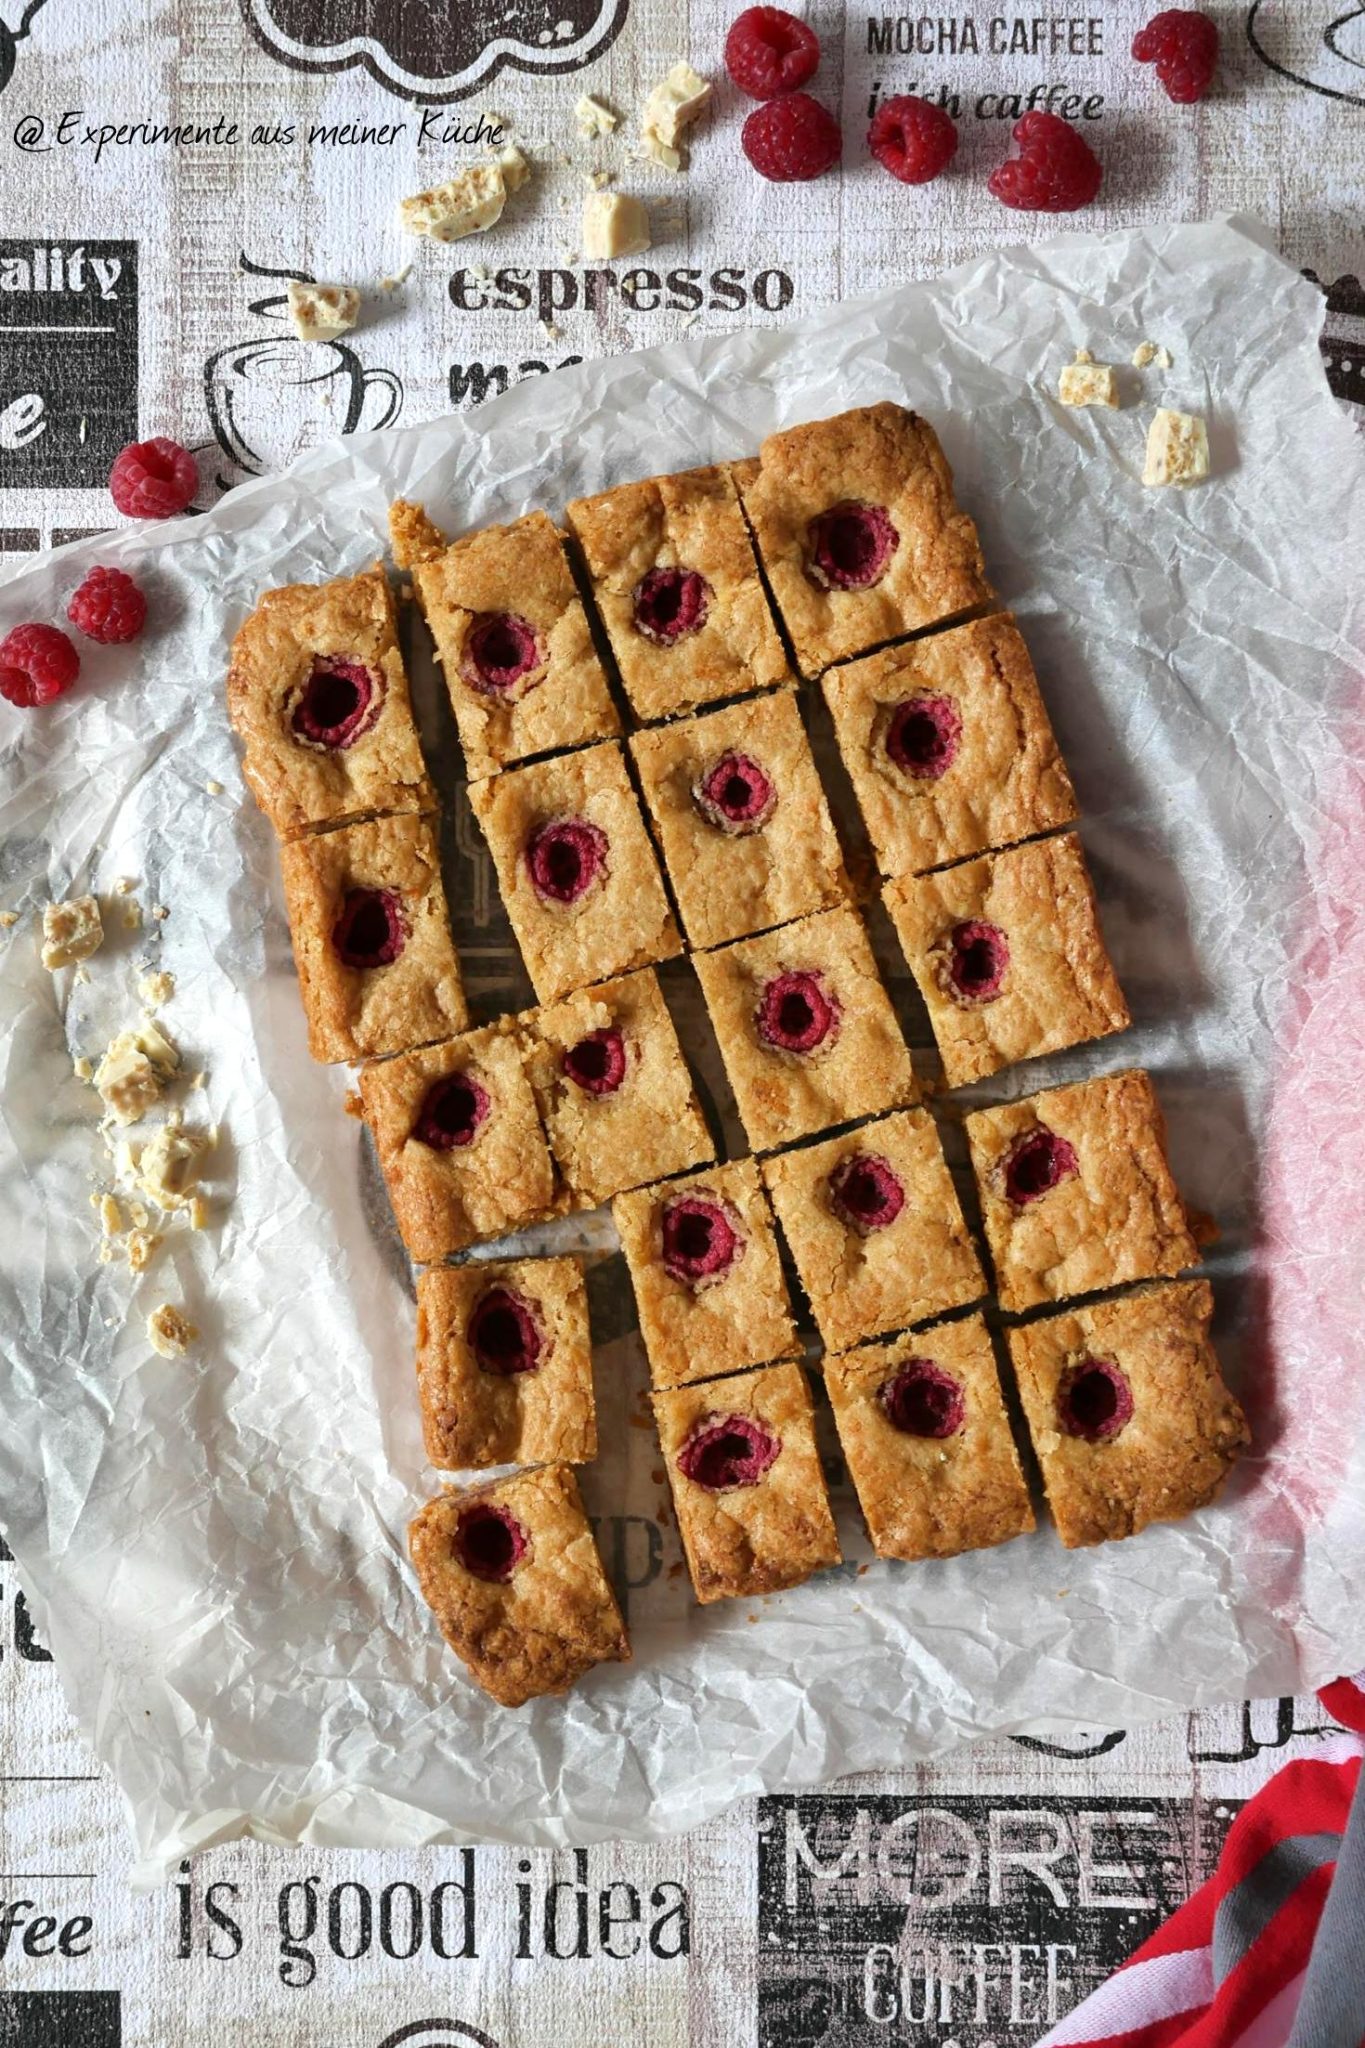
<point x="859" y="532"/>
<point x="504" y="1364"/>
<point x="511" y="636"/>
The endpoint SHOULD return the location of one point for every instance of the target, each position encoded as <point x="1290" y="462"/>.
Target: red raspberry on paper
<point x="37" y="663"/>
<point x="1183" y="45"/>
<point x="153" y="479"/>
<point x="769" y="51"/>
<point x="791" y="139"/>
<point x="912" y="138"/>
<point x="108" y="607"/>
<point x="1055" y="171"/>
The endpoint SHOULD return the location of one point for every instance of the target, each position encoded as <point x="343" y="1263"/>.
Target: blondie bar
<point x="675" y="579"/>
<point x="927" y="1442"/>
<point x="459" y="1141"/>
<point x="317" y="694"/>
<point x="578" y="873"/>
<point x="806" y="1029"/>
<point x="511" y="636"/>
<point x="859" y="532"/>
<point x="708" y="1280"/>
<point x="741" y="817"/>
<point x="512" y="1575"/>
<point x="1076" y="1192"/>
<point x="753" y="1510"/>
<point x="504" y="1364"/>
<point x="875" y="1228"/>
<point x="948" y="746"/>
<point x="613" y="1088"/>
<point x="367" y="918"/>
<point x="1008" y="955"/>
<point x="1127" y="1409"/>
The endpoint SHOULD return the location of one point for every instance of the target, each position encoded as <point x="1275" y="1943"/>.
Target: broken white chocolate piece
<point x="8" y="918"/>
<point x="653" y="149"/>
<point x="594" y="118"/>
<point x="82" y="1068"/>
<point x="71" y="931"/>
<point x="463" y="205"/>
<point x="513" y="165"/>
<point x="1086" y="382"/>
<point x="142" y="1247"/>
<point x="674" y="105"/>
<point x="1177" y="448"/>
<point x="1148" y="352"/>
<point x="322" y="311"/>
<point x="156" y="988"/>
<point x="134" y="1070"/>
<point x="169" y="1331"/>
<point x="168" y="1166"/>
<point x="614" y="224"/>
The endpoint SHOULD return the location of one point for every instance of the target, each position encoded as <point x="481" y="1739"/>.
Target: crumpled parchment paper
<point x="215" y="1544"/>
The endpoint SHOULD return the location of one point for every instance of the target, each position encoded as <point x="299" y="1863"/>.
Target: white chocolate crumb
<point x="213" y="787"/>
<point x="8" y="917"/>
<point x="125" y="885"/>
<point x="1083" y="355"/>
<point x="1164" y="359"/>
<point x="1149" y="352"/>
<point x="169" y="1331"/>
<point x="597" y="181"/>
<point x="594" y="117"/>
<point x="198" y="1212"/>
<point x="139" y="1214"/>
<point x="614" y="224"/>
<point x="110" y="1214"/>
<point x="133" y="1071"/>
<point x="198" y="1080"/>
<point x="142" y="1247"/>
<point x="400" y="277"/>
<point x="1088" y="383"/>
<point x="320" y="312"/>
<point x="1177" y="449"/>
<point x="82" y="1068"/>
<point x="131" y="916"/>
<point x="550" y="330"/>
<point x="72" y="931"/>
<point x="160" y="912"/>
<point x="156" y="988"/>
<point x="168" y="1167"/>
<point x="652" y="149"/>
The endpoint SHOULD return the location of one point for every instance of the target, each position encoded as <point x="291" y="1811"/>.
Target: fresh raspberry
<point x="978" y="955"/>
<point x="108" y="607"/>
<point x="501" y="648"/>
<point x="37" y="663"/>
<point x="597" y="1064"/>
<point x="728" y="1450"/>
<point x="912" y="138"/>
<point x="850" y="546"/>
<point x="490" y="1542"/>
<point x="769" y="51"/>
<point x="1094" y="1400"/>
<point x="1036" y="1164"/>
<point x="153" y="479"/>
<point x="866" y="1193"/>
<point x="920" y="1399"/>
<point x="504" y="1334"/>
<point x="735" y="795"/>
<point x="565" y="858"/>
<point x="791" y="139"/>
<point x="796" y="1013"/>
<point x="669" y="603"/>
<point x="1055" y="171"/>
<point x="1183" y="45"/>
<point x="701" y="1242"/>
<point x="923" y="734"/>
<point x="454" y="1111"/>
<point x="371" y="930"/>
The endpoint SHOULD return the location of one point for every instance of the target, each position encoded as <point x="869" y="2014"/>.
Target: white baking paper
<point x="215" y="1544"/>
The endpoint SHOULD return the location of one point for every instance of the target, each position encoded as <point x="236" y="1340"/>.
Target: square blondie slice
<point x="948" y="746"/>
<point x="513" y="1577"/>
<point x="504" y="1364"/>
<point x="371" y="937"/>
<point x="875" y="1228"/>
<point x="752" y="1506"/>
<point x="459" y="1142"/>
<point x="613" y="1088"/>
<point x="927" y="1442"/>
<point x="859" y="532"/>
<point x="318" y="696"/>
<point x="1076" y="1191"/>
<point x="511" y="636"/>
<point x="577" y="871"/>
<point x="806" y="1030"/>
<point x="741" y="817"/>
<point x="1127" y="1409"/>
<point x="708" y="1281"/>
<point x="1008" y="955"/>
<point x="676" y="580"/>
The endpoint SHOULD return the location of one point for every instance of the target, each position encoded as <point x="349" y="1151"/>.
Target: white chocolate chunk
<point x="133" y="1071"/>
<point x="322" y="311"/>
<point x="168" y="1167"/>
<point x="463" y="205"/>
<point x="593" y="117"/>
<point x="156" y="988"/>
<point x="1088" y="383"/>
<point x="513" y="165"/>
<point x="674" y="105"/>
<point x="614" y="224"/>
<point x="169" y="1331"/>
<point x="654" y="150"/>
<point x="1177" y="449"/>
<point x="71" y="932"/>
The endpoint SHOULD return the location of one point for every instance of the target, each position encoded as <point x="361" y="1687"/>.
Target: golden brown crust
<point x="1006" y="781"/>
<point x="861" y="1069"/>
<point x="925" y="1496"/>
<point x="360" y="1013"/>
<point x="623" y="920"/>
<point x="691" y="521"/>
<point x="1116" y="1219"/>
<point x="1059" y="988"/>
<point x="301" y="786"/>
<point x="471" y="1417"/>
<point x="1186" y="1431"/>
<point x="552" y="1621"/>
<point x="880" y="455"/>
<point x="742" y="1318"/>
<point x="445" y="1200"/>
<point x="728" y="883"/>
<point x="651" y="1125"/>
<point x="918" y="1265"/>
<point x="751" y="1539"/>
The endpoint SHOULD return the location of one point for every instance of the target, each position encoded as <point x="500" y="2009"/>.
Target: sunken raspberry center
<point x="1094" y="1400"/>
<point x="978" y="957"/>
<point x="796" y="1013"/>
<point x="340" y="700"/>
<point x="851" y="545"/>
<point x="920" y="1399"/>
<point x="866" y="1193"/>
<point x="1035" y="1164"/>
<point x="490" y="1542"/>
<point x="500" y="649"/>
<point x="598" y="1062"/>
<point x="735" y="794"/>
<point x="565" y="859"/>
<point x="923" y="735"/>
<point x="452" y="1112"/>
<point x="700" y="1241"/>
<point x="670" y="603"/>
<point x="371" y="930"/>
<point x="504" y="1334"/>
<point x="724" y="1451"/>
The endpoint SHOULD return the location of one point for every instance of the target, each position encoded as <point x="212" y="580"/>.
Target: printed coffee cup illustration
<point x="12" y="33"/>
<point x="1320" y="45"/>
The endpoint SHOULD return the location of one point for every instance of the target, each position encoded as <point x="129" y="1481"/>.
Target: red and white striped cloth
<point x="1270" y="1952"/>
